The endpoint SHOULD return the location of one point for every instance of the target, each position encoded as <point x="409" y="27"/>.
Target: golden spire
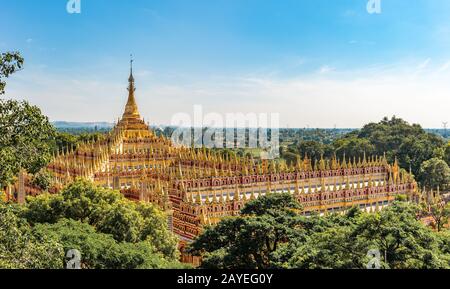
<point x="131" y="109"/>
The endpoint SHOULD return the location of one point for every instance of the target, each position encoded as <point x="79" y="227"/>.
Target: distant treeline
<point x="77" y="128"/>
<point x="82" y="130"/>
<point x="324" y="135"/>
<point x="426" y="152"/>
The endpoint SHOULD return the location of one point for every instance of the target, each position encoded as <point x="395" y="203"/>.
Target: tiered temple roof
<point x="201" y="186"/>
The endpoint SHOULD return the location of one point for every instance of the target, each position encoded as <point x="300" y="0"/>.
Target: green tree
<point x="123" y="221"/>
<point x="10" y="62"/>
<point x="249" y="241"/>
<point x="404" y="242"/>
<point x="314" y="150"/>
<point x="444" y="244"/>
<point x="102" y="251"/>
<point x="271" y="234"/>
<point x="154" y="230"/>
<point x="21" y="248"/>
<point x="108" y="211"/>
<point x="439" y="211"/>
<point x="410" y="144"/>
<point x="336" y="247"/>
<point x="353" y="147"/>
<point x="435" y="173"/>
<point x="25" y="139"/>
<point x="447" y="153"/>
<point x="291" y="158"/>
<point x="65" y="141"/>
<point x="42" y="179"/>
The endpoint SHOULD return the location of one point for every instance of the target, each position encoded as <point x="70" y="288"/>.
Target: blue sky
<point x="318" y="63"/>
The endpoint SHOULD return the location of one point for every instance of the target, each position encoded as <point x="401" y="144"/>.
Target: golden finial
<point x="131" y="109"/>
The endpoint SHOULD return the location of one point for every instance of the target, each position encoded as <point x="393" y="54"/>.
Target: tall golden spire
<point x="131" y="109"/>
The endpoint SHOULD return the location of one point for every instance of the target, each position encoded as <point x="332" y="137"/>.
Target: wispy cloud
<point x="424" y="64"/>
<point x="143" y="73"/>
<point x="444" y="67"/>
<point x="326" y="69"/>
<point x="348" y="98"/>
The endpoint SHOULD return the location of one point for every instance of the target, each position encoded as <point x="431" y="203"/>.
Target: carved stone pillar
<point x="21" y="194"/>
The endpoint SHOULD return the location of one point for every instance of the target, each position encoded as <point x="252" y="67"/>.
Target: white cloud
<point x="444" y="67"/>
<point x="326" y="69"/>
<point x="345" y="98"/>
<point x="424" y="64"/>
<point x="143" y="73"/>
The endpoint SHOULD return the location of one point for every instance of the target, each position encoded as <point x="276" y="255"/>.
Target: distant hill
<point x="77" y="127"/>
<point x="445" y="133"/>
<point x="82" y="125"/>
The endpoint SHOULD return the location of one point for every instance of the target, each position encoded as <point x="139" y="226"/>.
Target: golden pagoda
<point x="199" y="187"/>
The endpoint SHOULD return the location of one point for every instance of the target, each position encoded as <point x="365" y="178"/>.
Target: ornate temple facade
<point x="198" y="187"/>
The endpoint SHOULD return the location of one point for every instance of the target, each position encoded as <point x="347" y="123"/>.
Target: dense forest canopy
<point x="26" y="138"/>
<point x="272" y="234"/>
<point x="414" y="148"/>
<point x="109" y="231"/>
